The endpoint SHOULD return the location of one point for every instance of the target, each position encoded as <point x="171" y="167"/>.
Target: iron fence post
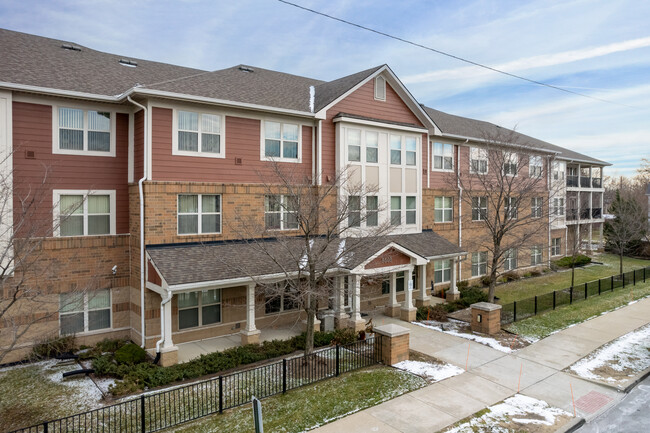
<point x="45" y="427"/>
<point x="337" y="360"/>
<point x="514" y="311"/>
<point x="611" y="285"/>
<point x="220" y="394"/>
<point x="535" y="305"/>
<point x="554" y="299"/>
<point x="634" y="277"/>
<point x="284" y="376"/>
<point x="586" y="290"/>
<point x="623" y="276"/>
<point x="143" y="425"/>
<point x="644" y="274"/>
<point x="599" y="287"/>
<point x="571" y="295"/>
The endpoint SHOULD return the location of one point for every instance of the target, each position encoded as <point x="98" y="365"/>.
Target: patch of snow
<point x="312" y="97"/>
<point x="437" y="372"/>
<point x="631" y="351"/>
<point x="515" y="408"/>
<point x="304" y="260"/>
<point x="341" y="259"/>
<point x="450" y="328"/>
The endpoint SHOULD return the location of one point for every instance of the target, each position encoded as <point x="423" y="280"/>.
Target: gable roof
<point x="327" y="92"/>
<point x="464" y="127"/>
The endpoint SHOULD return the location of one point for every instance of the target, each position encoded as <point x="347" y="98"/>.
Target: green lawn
<point x="314" y="405"/>
<point x="551" y="281"/>
<point x="540" y="326"/>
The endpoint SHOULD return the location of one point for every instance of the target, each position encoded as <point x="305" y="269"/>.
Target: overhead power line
<point x="462" y="59"/>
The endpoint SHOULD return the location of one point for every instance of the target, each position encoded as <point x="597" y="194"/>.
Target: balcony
<point x="572" y="181"/>
<point x="571" y="214"/>
<point x="585" y="214"/>
<point x="585" y="182"/>
<point x="596" y="212"/>
<point x="596" y="182"/>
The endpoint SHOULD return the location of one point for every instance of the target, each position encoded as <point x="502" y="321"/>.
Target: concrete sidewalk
<point x="493" y="376"/>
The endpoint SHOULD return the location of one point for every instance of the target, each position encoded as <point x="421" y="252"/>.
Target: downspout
<point x="549" y="179"/>
<point x="319" y="149"/>
<point x="141" y="194"/>
<point x="162" y="324"/>
<point x="460" y="209"/>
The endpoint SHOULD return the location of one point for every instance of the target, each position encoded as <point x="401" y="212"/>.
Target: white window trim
<point x="539" y="206"/>
<point x="86" y="311"/>
<point x="282" y="309"/>
<point x="538" y="163"/>
<point x="510" y="158"/>
<point x="507" y="261"/>
<point x="481" y="152"/>
<point x="200" y="306"/>
<point x="199" y="153"/>
<point x="443" y="209"/>
<point x="442" y="269"/>
<point x="85" y="109"/>
<point x="283" y="212"/>
<point x="433" y="155"/>
<point x="379" y="83"/>
<point x="559" y="247"/>
<point x="478" y="263"/>
<point x="200" y="213"/>
<point x="481" y="217"/>
<point x="509" y="208"/>
<point x="536" y="249"/>
<point x="56" y="209"/>
<point x="263" y="156"/>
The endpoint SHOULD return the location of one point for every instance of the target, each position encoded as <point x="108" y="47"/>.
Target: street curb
<point x="571" y="426"/>
<point x="643" y="376"/>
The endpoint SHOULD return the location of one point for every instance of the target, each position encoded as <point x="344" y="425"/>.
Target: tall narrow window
<point x="281" y="140"/>
<point x="536" y="207"/>
<point x="354" y="211"/>
<point x="442" y="271"/>
<point x="411" y="151"/>
<point x="443" y="210"/>
<point x="395" y="150"/>
<point x="372" y="147"/>
<point x="411" y="210"/>
<point x="536" y="255"/>
<point x="478" y="160"/>
<point x="556" y="247"/>
<point x="479" y="208"/>
<point x="354" y="145"/>
<point x="479" y="264"/>
<point x="510" y="162"/>
<point x="380" y="88"/>
<point x="396" y="211"/>
<point x="443" y="156"/>
<point x="535" y="166"/>
<point x="511" y="208"/>
<point x="372" y="211"/>
<point x="510" y="259"/>
<point x="558" y="206"/>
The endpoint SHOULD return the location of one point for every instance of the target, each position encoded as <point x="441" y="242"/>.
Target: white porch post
<point x="354" y="286"/>
<point x="423" y="299"/>
<point x="340" y="317"/>
<point x="168" y="342"/>
<point x="408" y="311"/>
<point x="250" y="334"/>
<point x="453" y="294"/>
<point x="393" y="307"/>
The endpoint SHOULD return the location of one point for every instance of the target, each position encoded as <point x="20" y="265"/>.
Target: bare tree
<point x="627" y="229"/>
<point x="506" y="189"/>
<point x="313" y="231"/>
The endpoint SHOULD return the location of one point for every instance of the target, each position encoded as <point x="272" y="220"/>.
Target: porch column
<point x="408" y="311"/>
<point x="167" y="310"/>
<point x="422" y="299"/>
<point x="354" y="286"/>
<point x="453" y="294"/>
<point x="250" y="334"/>
<point x="601" y="242"/>
<point x="168" y="352"/>
<point x="340" y="317"/>
<point x="392" y="309"/>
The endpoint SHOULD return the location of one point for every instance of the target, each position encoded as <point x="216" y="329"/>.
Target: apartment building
<point x="130" y="180"/>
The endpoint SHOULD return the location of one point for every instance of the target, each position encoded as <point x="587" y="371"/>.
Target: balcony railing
<point x="596" y="182"/>
<point x="571" y="214"/>
<point x="585" y="214"/>
<point x="585" y="182"/>
<point x="572" y="181"/>
<point x="596" y="212"/>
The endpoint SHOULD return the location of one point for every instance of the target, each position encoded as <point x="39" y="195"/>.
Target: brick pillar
<point x="394" y="340"/>
<point x="486" y="318"/>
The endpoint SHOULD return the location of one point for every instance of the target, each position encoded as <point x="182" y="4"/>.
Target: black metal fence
<point x="156" y="411"/>
<point x="524" y="308"/>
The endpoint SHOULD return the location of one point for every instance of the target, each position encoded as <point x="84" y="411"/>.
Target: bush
<point x="53" y="346"/>
<point x="485" y="280"/>
<point x="130" y="354"/>
<point x="579" y="260"/>
<point x="344" y="336"/>
<point x="463" y="284"/>
<point x="432" y="312"/>
<point x="535" y="273"/>
<point x="510" y="276"/>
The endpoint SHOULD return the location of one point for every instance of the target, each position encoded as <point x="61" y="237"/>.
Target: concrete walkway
<point x="493" y="376"/>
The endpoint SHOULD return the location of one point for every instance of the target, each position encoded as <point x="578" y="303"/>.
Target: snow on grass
<point x="518" y="409"/>
<point x="436" y="372"/>
<point x="451" y="329"/>
<point x="630" y="352"/>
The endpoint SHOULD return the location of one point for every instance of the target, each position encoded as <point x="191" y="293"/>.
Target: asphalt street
<point x="631" y="415"/>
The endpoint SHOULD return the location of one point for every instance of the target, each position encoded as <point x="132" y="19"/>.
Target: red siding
<point x="138" y="145"/>
<point x="32" y="130"/>
<point x="363" y="103"/>
<point x="390" y="257"/>
<point x="242" y="141"/>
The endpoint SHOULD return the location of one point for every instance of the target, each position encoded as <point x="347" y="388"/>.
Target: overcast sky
<point x="600" y="48"/>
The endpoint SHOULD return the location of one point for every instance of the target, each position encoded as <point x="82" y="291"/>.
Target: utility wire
<point x="480" y="65"/>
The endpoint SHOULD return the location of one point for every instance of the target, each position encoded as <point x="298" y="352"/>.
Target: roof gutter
<point x="463" y="137"/>
<point x="601" y="163"/>
<point x="142" y="243"/>
<point x="60" y="92"/>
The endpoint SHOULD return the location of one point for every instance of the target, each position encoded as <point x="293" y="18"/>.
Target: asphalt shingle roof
<point x="179" y="263"/>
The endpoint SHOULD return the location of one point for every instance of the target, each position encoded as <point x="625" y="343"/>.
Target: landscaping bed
<point x="503" y="341"/>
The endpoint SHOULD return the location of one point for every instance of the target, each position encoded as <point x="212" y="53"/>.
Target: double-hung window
<point x="510" y="259"/>
<point x="536" y="207"/>
<point x="372" y="211"/>
<point x="511" y="208"/>
<point x="198" y="134"/>
<point x="558" y="206"/>
<point x="354" y="211"/>
<point x="535" y="166"/>
<point x="399" y="283"/>
<point x="411" y="210"/>
<point x="372" y="147"/>
<point x="395" y="149"/>
<point x="395" y="210"/>
<point x="556" y="246"/>
<point x="280" y="213"/>
<point x="84" y="311"/>
<point x="84" y="213"/>
<point x="199" y="213"/>
<point x="354" y="145"/>
<point x="478" y="160"/>
<point x="199" y="308"/>
<point x="536" y="255"/>
<point x="479" y="264"/>
<point x="83" y="132"/>
<point x="443" y="210"/>
<point x="282" y="141"/>
<point x="443" y="156"/>
<point x="279" y="298"/>
<point x="411" y="151"/>
<point x="510" y="163"/>
<point x="558" y="170"/>
<point x="479" y="208"/>
<point x="441" y="271"/>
